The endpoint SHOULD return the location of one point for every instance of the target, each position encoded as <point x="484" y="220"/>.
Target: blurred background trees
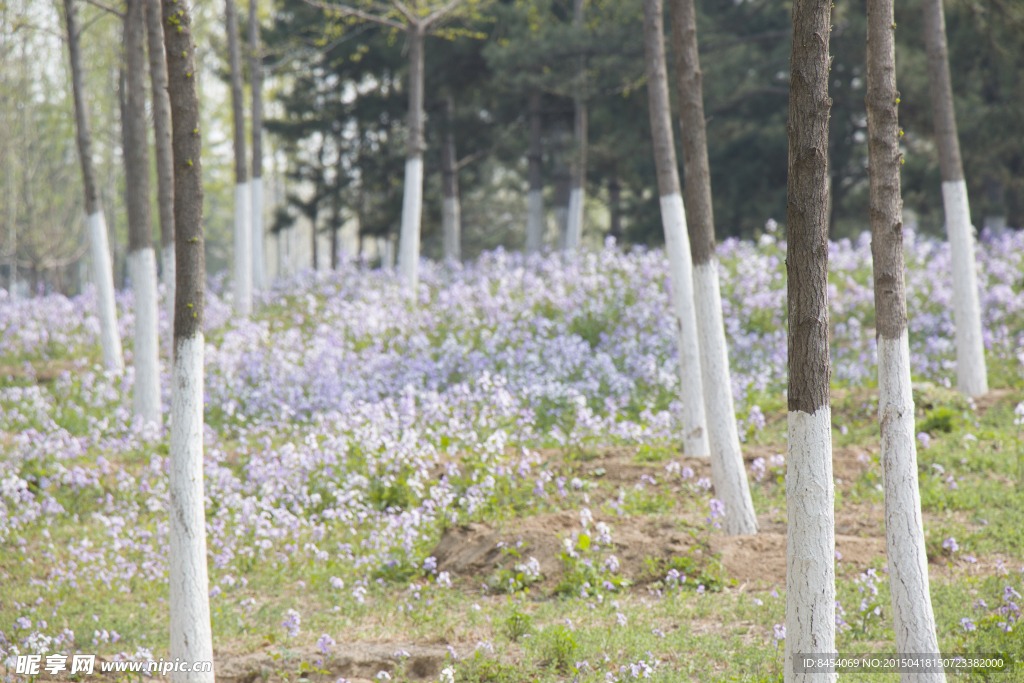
<point x="336" y="110"/>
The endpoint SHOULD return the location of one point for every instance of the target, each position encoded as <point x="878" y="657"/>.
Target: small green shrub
<point x="559" y="646"/>
<point x="517" y="624"/>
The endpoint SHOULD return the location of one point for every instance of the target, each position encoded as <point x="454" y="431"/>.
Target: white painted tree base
<point x="259" y="266"/>
<point x="409" y="237"/>
<point x="727" y="470"/>
<point x="971" y="373"/>
<point x="574" y="225"/>
<point x="146" y="351"/>
<point x="243" y="250"/>
<point x="691" y="386"/>
<point x="103" y="276"/>
<point x="534" y="221"/>
<point x="190" y="635"/>
<point x="913" y="619"/>
<point x="810" y="542"/>
<point x="451" y="228"/>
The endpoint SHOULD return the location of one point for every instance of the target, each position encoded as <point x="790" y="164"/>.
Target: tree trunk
<point x="164" y="163"/>
<point x="243" y="198"/>
<point x="810" y="493"/>
<point x="315" y="257"/>
<point x="615" y="209"/>
<point x="412" y="197"/>
<point x="190" y="629"/>
<point x="334" y="246"/>
<point x="972" y="378"/>
<point x="141" y="257"/>
<point x="110" y="338"/>
<point x="913" y="620"/>
<point x="730" y="478"/>
<point x="451" y="208"/>
<point x="577" y="190"/>
<point x="259" y="276"/>
<point x="677" y="243"/>
<point x="535" y="198"/>
<point x="12" y="234"/>
<point x="563" y="181"/>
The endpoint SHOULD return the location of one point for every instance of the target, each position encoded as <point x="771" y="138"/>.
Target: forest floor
<point x="719" y="623"/>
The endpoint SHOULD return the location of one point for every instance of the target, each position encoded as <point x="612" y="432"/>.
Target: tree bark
<point x="412" y="198"/>
<point x="972" y="377"/>
<point x="577" y="189"/>
<point x="141" y="257"/>
<point x="259" y="266"/>
<point x="103" y="273"/>
<point x="810" y="493"/>
<point x="451" y="209"/>
<point x="913" y="620"/>
<point x="535" y="197"/>
<point x="190" y="628"/>
<point x="562" y="181"/>
<point x="677" y="243"/>
<point x="243" y="197"/>
<point x="162" y="148"/>
<point x="726" y="457"/>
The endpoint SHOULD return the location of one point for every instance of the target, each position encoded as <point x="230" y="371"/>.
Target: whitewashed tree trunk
<point x="913" y="620"/>
<point x="451" y="208"/>
<point x="810" y="541"/>
<point x="243" y="250"/>
<point x="810" y="489"/>
<point x="142" y="267"/>
<point x="727" y="469"/>
<point x="243" y="196"/>
<point x="535" y="197"/>
<point x="103" y="273"/>
<point x="259" y="275"/>
<point x="412" y="194"/>
<point x="191" y="633"/>
<point x="971" y="372"/>
<point x="103" y="276"/>
<point x="577" y="193"/>
<point x="972" y="377"/>
<point x="691" y="386"/>
<point x="190" y="628"/>
<point x="259" y="266"/>
<point x="677" y="242"/>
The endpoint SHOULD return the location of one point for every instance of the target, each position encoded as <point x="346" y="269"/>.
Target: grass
<point x="971" y="489"/>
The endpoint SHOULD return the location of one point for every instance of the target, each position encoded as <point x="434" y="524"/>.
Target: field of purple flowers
<point x="348" y="428"/>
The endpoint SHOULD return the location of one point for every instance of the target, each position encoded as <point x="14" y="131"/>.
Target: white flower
<point x="448" y="675"/>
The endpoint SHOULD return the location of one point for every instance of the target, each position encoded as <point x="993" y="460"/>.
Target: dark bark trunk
<point x="256" y="80"/>
<point x="161" y="122"/>
<point x="615" y="208"/>
<point x="415" y="144"/>
<point x="884" y="157"/>
<point x="806" y="210"/>
<point x="189" y="243"/>
<point x="84" y="136"/>
<point x="658" y="98"/>
<point x="700" y="219"/>
<point x="334" y="246"/>
<point x="133" y="126"/>
<point x="235" y="62"/>
<point x="535" y="153"/>
<point x="946" y="140"/>
<point x="316" y="250"/>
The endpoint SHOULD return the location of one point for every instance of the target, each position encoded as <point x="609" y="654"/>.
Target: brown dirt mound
<point x="357" y="662"/>
<point x="473" y="551"/>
